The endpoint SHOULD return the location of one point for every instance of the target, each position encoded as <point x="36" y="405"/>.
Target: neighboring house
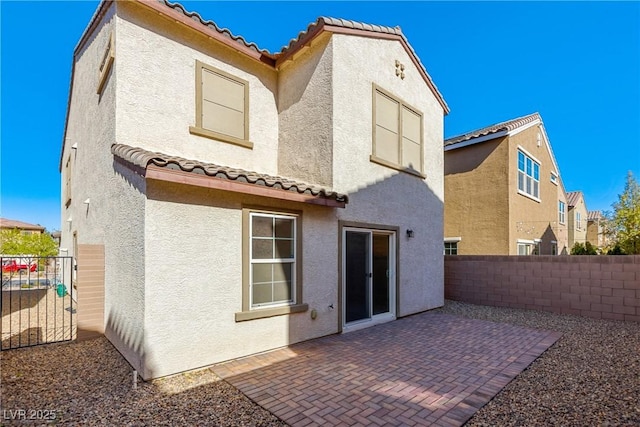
<point x="177" y="141"/>
<point x="23" y="227"/>
<point x="578" y="216"/>
<point x="503" y="192"/>
<point x="595" y="229"/>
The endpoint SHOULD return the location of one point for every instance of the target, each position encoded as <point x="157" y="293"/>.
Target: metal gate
<point x="38" y="301"/>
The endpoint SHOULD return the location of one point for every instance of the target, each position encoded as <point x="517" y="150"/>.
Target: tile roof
<point x="309" y="32"/>
<point x="507" y="126"/>
<point x="338" y="22"/>
<point x="573" y="197"/>
<point x="207" y="23"/>
<point x="143" y="158"/>
<point x="12" y="223"/>
<point x="594" y="216"/>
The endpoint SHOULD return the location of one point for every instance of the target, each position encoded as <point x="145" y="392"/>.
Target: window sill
<point x="529" y="196"/>
<point x="194" y="130"/>
<point x="270" y="312"/>
<point x="391" y="165"/>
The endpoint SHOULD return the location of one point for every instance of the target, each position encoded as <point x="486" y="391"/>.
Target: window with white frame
<point x="528" y="175"/>
<point x="527" y="247"/>
<point x="554" y="247"/>
<point x="578" y="221"/>
<point x="272" y="255"/>
<point x="561" y="211"/>
<point x="451" y="248"/>
<point x="554" y="178"/>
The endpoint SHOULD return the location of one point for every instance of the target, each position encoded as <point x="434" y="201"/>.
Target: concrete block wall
<point x="601" y="287"/>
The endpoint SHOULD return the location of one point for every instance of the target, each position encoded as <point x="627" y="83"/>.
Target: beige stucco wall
<point x="173" y="252"/>
<point x="594" y="233"/>
<point x="378" y="194"/>
<point x="194" y="279"/>
<point x="114" y="215"/>
<point x="530" y="219"/>
<point x="476" y="202"/>
<point x="305" y="106"/>
<point x="577" y="231"/>
<point x="483" y="206"/>
<point x="156" y="92"/>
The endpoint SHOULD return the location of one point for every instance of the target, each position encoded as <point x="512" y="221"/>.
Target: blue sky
<point x="576" y="63"/>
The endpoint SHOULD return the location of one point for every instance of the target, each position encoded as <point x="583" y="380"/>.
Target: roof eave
<point x="321" y="27"/>
<point x="181" y="18"/>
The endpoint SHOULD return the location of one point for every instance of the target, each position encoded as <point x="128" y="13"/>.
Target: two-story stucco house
<point x="503" y="192"/>
<point x="578" y="216"/>
<point x="247" y="200"/>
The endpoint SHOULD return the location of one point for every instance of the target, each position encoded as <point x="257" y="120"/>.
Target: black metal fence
<point x="38" y="301"/>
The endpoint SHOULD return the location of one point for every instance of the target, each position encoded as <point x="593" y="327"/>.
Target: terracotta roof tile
<point x="594" y="216"/>
<point x="12" y="223"/>
<point x="207" y="23"/>
<point x="338" y="22"/>
<point x="573" y="197"/>
<point x="507" y="126"/>
<point x="302" y="37"/>
<point x="143" y="158"/>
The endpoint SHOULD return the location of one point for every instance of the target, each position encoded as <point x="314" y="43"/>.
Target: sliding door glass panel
<point x="381" y="269"/>
<point x="357" y="301"/>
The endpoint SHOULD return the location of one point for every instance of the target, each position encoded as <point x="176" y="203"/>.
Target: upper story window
<point x="222" y="106"/>
<point x="578" y="221"/>
<point x="397" y="133"/>
<point x="67" y="187"/>
<point x="528" y="176"/>
<point x="106" y="64"/>
<point x="554" y="178"/>
<point x="561" y="212"/>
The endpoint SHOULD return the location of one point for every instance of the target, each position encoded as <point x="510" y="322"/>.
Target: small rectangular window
<point x="578" y="221"/>
<point x="561" y="212"/>
<point x="106" y="64"/>
<point x="67" y="187"/>
<point x="222" y="106"/>
<point x="451" y="248"/>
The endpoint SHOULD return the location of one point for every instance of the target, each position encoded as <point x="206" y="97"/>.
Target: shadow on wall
<point x="399" y="200"/>
<point x="128" y="340"/>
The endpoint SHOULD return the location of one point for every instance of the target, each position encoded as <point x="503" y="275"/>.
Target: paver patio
<point x="426" y="369"/>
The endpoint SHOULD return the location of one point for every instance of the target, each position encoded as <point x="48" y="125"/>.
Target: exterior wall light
<point x="409" y="233"/>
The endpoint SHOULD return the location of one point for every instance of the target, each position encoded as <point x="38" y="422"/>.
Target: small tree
<point x="625" y="220"/>
<point x="13" y="242"/>
<point x="583" y="249"/>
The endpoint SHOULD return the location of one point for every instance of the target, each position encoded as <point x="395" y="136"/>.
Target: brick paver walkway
<point x="426" y="369"/>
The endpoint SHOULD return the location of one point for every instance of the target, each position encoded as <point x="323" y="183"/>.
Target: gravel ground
<point x="91" y="384"/>
<point x="591" y="376"/>
<point x="35" y="316"/>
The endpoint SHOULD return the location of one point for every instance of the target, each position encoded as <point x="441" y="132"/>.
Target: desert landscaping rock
<point x="591" y="376"/>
